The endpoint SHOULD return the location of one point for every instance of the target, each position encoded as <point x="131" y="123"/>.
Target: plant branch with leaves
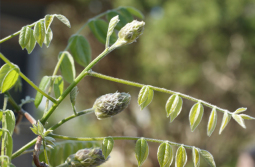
<point x="78" y="50"/>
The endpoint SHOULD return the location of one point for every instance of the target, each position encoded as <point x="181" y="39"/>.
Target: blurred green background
<point x="201" y="48"/>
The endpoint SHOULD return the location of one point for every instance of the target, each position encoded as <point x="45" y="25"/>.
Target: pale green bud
<point x="87" y="157"/>
<point x="113" y="22"/>
<point x="111" y="104"/>
<point x="130" y="32"/>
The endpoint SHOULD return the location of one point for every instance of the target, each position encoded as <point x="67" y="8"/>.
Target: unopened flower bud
<point x="111" y="104"/>
<point x="86" y="158"/>
<point x="130" y="32"/>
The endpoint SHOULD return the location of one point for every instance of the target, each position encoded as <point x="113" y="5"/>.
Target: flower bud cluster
<point x="111" y="104"/>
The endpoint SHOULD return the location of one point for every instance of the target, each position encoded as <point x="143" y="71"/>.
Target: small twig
<point x="36" y="153"/>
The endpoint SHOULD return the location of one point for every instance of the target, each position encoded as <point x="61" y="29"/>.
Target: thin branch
<point x="36" y="153"/>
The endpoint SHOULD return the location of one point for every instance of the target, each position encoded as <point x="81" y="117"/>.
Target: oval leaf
<point x="173" y="106"/>
<point x="39" y="32"/>
<point x="24" y="36"/>
<point x="10" y="79"/>
<point x="48" y="37"/>
<point x="31" y="43"/>
<point x="244" y="116"/>
<point x="47" y="21"/>
<point x="181" y="157"/>
<point x="10" y="121"/>
<point x="212" y="122"/>
<point x="135" y="12"/>
<point x="208" y="157"/>
<point x="107" y="146"/>
<point x="165" y="155"/>
<point x="125" y="13"/>
<point x="145" y="96"/>
<point x="58" y="86"/>
<point x="195" y="115"/>
<point x="225" y="120"/>
<point x="43" y="85"/>
<point x="141" y="151"/>
<point x="3" y="71"/>
<point x="80" y="49"/>
<point x="239" y="110"/>
<point x="63" y="19"/>
<point x="195" y="157"/>
<point x="67" y="66"/>
<point x="239" y="120"/>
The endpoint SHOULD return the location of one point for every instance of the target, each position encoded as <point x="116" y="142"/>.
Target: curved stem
<point x="98" y="75"/>
<point x="71" y="117"/>
<point x="24" y="148"/>
<point x="116" y="138"/>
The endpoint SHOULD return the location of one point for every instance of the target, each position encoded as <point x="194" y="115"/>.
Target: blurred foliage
<point x="201" y="48"/>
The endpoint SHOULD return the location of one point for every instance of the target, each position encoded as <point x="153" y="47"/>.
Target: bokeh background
<point x="201" y="48"/>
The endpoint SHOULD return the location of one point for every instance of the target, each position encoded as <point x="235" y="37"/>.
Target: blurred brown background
<point x="201" y="48"/>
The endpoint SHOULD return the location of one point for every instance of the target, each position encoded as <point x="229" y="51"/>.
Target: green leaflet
<point x="3" y="71"/>
<point x="9" y="79"/>
<point x="226" y="118"/>
<point x="80" y="49"/>
<point x="43" y="85"/>
<point x="39" y="32"/>
<point x="173" y="106"/>
<point x="107" y="146"/>
<point x="239" y="120"/>
<point x="7" y="139"/>
<point x="48" y="37"/>
<point x="208" y="157"/>
<point x="135" y="12"/>
<point x="145" y="96"/>
<point x="180" y="157"/>
<point x="195" y="115"/>
<point x="240" y="110"/>
<point x="47" y="21"/>
<point x="67" y="66"/>
<point x="31" y="43"/>
<point x="10" y="121"/>
<point x="195" y="157"/>
<point x="24" y="36"/>
<point x="244" y="116"/>
<point x="165" y="155"/>
<point x="212" y="122"/>
<point x="58" y="86"/>
<point x="141" y="151"/>
<point x="63" y="19"/>
<point x="126" y="14"/>
<point x="99" y="29"/>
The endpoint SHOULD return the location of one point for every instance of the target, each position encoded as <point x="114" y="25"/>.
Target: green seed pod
<point x="111" y="104"/>
<point x="87" y="157"/>
<point x="130" y="32"/>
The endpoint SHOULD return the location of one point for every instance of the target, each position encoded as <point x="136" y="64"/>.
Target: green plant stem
<point x="88" y="111"/>
<point x="24" y="148"/>
<point x="12" y="102"/>
<point x="45" y="153"/>
<point x="75" y="82"/>
<point x="115" y="138"/>
<point x="64" y="165"/>
<point x="27" y="79"/>
<point x="98" y="75"/>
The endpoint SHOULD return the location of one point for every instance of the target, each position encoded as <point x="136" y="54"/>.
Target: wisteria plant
<point x="120" y="31"/>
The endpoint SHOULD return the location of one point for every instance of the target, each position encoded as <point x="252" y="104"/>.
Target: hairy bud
<point x="111" y="104"/>
<point x="86" y="158"/>
<point x="130" y="32"/>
